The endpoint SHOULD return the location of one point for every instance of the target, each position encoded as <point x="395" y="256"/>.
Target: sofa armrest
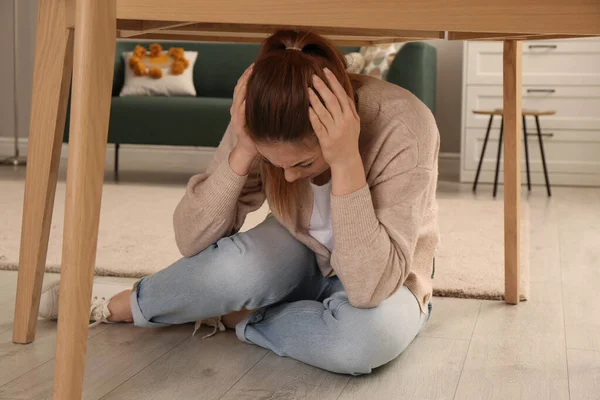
<point x="118" y="74"/>
<point x="415" y="69"/>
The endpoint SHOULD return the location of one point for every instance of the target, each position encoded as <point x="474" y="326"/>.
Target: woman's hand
<point x="336" y="123"/>
<point x="245" y="150"/>
<point x="337" y="126"/>
<point x="238" y="114"/>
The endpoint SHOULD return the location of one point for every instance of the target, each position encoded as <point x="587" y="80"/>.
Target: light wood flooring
<point x="545" y="348"/>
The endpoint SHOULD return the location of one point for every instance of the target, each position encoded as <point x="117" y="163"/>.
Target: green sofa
<point x="202" y="120"/>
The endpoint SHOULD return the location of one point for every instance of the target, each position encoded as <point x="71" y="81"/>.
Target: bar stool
<point x="526" y="113"/>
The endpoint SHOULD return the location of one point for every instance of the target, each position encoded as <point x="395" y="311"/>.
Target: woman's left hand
<point x="336" y="123"/>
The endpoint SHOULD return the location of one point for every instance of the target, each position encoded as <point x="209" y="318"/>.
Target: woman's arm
<point x="374" y="246"/>
<point x="216" y="203"/>
<point x="375" y="229"/>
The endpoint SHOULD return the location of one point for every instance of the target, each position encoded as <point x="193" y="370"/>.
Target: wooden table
<point x="76" y="40"/>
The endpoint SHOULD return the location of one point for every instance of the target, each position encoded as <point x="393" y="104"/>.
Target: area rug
<point x="136" y="236"/>
<point x="470" y="258"/>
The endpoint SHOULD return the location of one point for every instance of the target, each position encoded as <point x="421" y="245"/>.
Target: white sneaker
<point x="102" y="292"/>
<point x="214" y="323"/>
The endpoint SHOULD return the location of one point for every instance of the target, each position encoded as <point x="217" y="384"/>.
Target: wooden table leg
<point x="51" y="80"/>
<point x="95" y="39"/>
<point x="512" y="168"/>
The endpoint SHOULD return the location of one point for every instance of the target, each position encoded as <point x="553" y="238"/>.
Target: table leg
<point x="51" y="80"/>
<point x="95" y="38"/>
<point x="512" y="167"/>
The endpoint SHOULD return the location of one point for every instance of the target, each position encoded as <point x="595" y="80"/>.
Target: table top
<point x="359" y="22"/>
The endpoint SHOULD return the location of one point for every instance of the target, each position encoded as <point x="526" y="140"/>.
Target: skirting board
<point x="537" y="178"/>
<point x="176" y="159"/>
<point x="449" y="167"/>
<point x="190" y="160"/>
<point x="557" y="178"/>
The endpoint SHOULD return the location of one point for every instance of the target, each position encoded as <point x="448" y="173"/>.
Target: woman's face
<point x="299" y="161"/>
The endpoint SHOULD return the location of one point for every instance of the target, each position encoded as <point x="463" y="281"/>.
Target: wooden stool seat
<point x="524" y="113"/>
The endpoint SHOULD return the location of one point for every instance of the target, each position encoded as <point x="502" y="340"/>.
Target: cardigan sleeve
<point x="376" y="229"/>
<point x="216" y="203"/>
<point x="373" y="247"/>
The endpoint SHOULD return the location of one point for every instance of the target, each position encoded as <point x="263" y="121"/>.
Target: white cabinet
<point x="577" y="107"/>
<point x="565" y="62"/>
<point x="560" y="75"/>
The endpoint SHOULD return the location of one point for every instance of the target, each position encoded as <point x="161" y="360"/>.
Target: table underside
<point x="359" y="22"/>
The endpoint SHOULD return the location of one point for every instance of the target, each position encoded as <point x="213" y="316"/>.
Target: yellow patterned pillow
<point x="159" y="73"/>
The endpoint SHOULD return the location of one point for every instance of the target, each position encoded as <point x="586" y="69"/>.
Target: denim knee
<point x="359" y="352"/>
<point x="369" y="338"/>
<point x="257" y="267"/>
<point x="263" y="278"/>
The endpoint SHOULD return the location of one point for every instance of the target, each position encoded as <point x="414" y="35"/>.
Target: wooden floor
<point x="546" y="348"/>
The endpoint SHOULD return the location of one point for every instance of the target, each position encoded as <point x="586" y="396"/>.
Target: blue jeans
<point x="299" y="313"/>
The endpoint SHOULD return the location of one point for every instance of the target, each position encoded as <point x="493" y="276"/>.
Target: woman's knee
<point x="359" y="353"/>
<point x="263" y="262"/>
<point x="368" y="338"/>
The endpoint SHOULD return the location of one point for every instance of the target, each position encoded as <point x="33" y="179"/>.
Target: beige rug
<point x="470" y="259"/>
<point x="136" y="237"/>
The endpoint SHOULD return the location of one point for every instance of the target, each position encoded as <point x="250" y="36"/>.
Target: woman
<point x="340" y="276"/>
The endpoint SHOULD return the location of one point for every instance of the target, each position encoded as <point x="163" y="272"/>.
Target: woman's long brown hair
<point x="277" y="101"/>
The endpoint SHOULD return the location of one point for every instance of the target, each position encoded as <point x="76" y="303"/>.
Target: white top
<point x="320" y="220"/>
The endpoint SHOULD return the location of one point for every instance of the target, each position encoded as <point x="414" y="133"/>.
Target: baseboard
<point x="177" y="159"/>
<point x="537" y="178"/>
<point x="190" y="160"/>
<point x="449" y="167"/>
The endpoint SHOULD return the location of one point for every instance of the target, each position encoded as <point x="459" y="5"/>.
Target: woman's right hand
<point x="238" y="116"/>
<point x="244" y="152"/>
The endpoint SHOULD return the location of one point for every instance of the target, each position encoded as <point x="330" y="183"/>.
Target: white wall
<point x="27" y="17"/>
<point x="6" y="68"/>
<point x="448" y="105"/>
<point x="27" y="24"/>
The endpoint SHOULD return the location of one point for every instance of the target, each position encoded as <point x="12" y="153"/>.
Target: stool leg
<point x="499" y="154"/>
<point x="485" y="141"/>
<point x="526" y="153"/>
<point x="95" y="39"/>
<point x="117" y="147"/>
<point x="51" y="80"/>
<point x="539" y="133"/>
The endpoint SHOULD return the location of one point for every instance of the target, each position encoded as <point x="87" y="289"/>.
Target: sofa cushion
<point x="174" y="121"/>
<point x="169" y="84"/>
<point x="355" y="62"/>
<point x="378" y="59"/>
<point x="179" y="121"/>
<point x="217" y="68"/>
